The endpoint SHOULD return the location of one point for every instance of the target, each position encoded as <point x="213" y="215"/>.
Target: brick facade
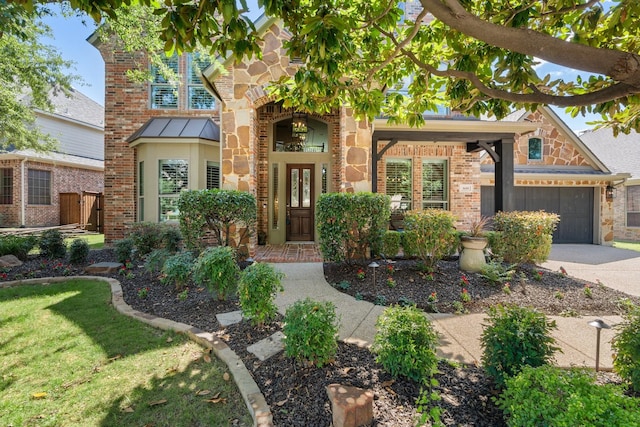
<point x="64" y="179"/>
<point x="127" y="108"/>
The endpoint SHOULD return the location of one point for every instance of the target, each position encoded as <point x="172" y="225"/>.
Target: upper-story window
<point x="198" y="97"/>
<point x="171" y="90"/>
<point x="535" y="149"/>
<point x="164" y="92"/>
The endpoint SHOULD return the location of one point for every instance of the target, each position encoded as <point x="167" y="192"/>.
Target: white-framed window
<point x="39" y="182"/>
<point x="213" y="175"/>
<point x="435" y="184"/>
<point x="173" y="178"/>
<point x="399" y="183"/>
<point x="534" y="149"/>
<point x="197" y="96"/>
<point x="163" y="92"/>
<point x="633" y="206"/>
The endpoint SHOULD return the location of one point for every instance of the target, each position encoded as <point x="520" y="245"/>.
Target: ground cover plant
<point x="68" y="358"/>
<point x="296" y="392"/>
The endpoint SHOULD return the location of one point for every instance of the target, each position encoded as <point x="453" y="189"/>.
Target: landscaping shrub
<point x="391" y="244"/>
<point x="124" y="249"/>
<point x="78" y="251"/>
<point x="18" y="246"/>
<point x="351" y="223"/>
<point x="523" y="237"/>
<point x="216" y="268"/>
<point x="409" y="241"/>
<point x="148" y="236"/>
<point x="405" y="343"/>
<point x="626" y="345"/>
<point x="154" y="262"/>
<point x="52" y="244"/>
<point x="230" y="216"/>
<point x="311" y="332"/>
<point x="434" y="231"/>
<point x="515" y="337"/>
<point x="497" y="272"/>
<point x="257" y="290"/>
<point x="550" y="396"/>
<point x="177" y="269"/>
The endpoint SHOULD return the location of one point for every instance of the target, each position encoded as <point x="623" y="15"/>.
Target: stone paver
<point x="267" y="347"/>
<point x="230" y="318"/>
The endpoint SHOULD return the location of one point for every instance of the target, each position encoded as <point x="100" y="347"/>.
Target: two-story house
<point x="158" y="144"/>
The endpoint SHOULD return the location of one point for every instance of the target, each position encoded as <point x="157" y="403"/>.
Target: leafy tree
<point x="475" y="56"/>
<point x="29" y="72"/>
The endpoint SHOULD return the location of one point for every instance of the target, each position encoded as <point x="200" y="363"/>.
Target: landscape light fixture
<point x="599" y="325"/>
<point x="374" y="265"/>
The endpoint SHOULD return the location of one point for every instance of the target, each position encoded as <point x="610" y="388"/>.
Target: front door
<point x="300" y="202"/>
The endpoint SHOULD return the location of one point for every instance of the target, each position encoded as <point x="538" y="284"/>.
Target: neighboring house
<point x="621" y="154"/>
<point x="47" y="188"/>
<point x="157" y="146"/>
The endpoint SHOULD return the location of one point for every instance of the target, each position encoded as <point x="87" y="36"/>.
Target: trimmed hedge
<point x="523" y="237"/>
<point x="351" y="223"/>
<point x="431" y="233"/>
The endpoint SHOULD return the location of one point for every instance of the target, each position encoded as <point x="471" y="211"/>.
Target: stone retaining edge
<point x="253" y="397"/>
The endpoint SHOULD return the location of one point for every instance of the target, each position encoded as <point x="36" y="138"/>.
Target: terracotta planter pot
<point x="472" y="255"/>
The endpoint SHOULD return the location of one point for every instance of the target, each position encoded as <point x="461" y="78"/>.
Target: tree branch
<point x="621" y="66"/>
<point x="616" y="91"/>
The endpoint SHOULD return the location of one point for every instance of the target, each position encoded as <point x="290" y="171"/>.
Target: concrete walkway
<point x="460" y="334"/>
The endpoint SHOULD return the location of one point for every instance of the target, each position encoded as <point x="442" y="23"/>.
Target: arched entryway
<point x="297" y="169"/>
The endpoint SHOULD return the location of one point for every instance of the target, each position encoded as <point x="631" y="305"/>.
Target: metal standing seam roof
<point x="178" y="127"/>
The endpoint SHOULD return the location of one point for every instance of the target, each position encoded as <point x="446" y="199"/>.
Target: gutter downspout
<point x="23" y="208"/>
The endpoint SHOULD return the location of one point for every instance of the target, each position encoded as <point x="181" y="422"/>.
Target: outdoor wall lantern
<point x="609" y="193"/>
<point x="599" y="325"/>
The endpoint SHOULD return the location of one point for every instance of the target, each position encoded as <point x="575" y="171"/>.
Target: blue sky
<point x="70" y="34"/>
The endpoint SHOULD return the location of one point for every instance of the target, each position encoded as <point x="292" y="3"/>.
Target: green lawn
<point x="68" y="358"/>
<point x="634" y="246"/>
<point x="95" y="241"/>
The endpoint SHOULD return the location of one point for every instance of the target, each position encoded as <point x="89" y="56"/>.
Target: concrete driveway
<point x="616" y="268"/>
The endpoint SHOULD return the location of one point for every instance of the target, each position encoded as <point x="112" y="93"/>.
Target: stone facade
<point x="64" y="179"/>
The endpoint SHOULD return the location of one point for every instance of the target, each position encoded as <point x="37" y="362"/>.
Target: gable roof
<point x="620" y="153"/>
<point x="73" y="106"/>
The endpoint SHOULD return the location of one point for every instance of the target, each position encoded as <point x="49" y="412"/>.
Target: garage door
<point x="573" y="204"/>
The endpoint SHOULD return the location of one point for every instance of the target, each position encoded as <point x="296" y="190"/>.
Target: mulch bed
<point x="297" y="393"/>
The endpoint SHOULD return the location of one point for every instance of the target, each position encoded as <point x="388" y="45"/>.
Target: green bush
<point x="434" y="231"/>
<point x="349" y="224"/>
<point x="626" y="345"/>
<point x="550" y="396"/>
<point x="497" y="272"/>
<point x="154" y="262"/>
<point x="257" y="290"/>
<point x="177" y="269"/>
<point x="148" y="236"/>
<point x="405" y="343"/>
<point x="216" y="268"/>
<point x="311" y="331"/>
<point x="391" y="244"/>
<point x="523" y="237"/>
<point x="230" y="216"/>
<point x="18" y="246"/>
<point x="124" y="249"/>
<point x="409" y="241"/>
<point x="78" y="251"/>
<point x="515" y="337"/>
<point x="52" y="244"/>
